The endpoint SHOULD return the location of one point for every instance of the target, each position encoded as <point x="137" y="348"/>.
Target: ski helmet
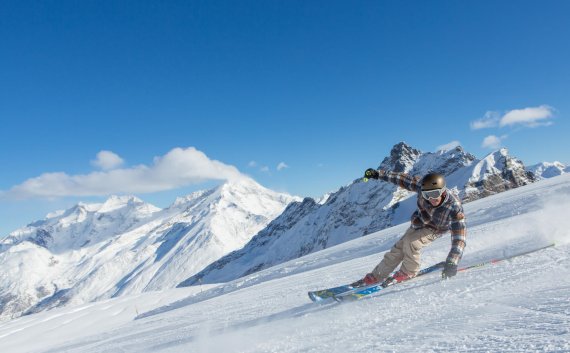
<point x="433" y="181"/>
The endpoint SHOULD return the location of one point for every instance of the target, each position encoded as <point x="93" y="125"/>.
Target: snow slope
<point x="520" y="305"/>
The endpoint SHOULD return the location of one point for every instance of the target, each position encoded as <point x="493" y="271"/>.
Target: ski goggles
<point x="432" y="194"/>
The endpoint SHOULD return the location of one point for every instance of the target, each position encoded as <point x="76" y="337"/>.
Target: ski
<point x="333" y="292"/>
<point x="358" y="293"/>
<point x="323" y="294"/>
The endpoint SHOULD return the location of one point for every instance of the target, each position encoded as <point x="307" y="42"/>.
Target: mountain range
<point x="361" y="208"/>
<point x="126" y="246"/>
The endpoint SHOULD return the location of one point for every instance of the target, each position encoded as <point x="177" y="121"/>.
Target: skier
<point x="438" y="211"/>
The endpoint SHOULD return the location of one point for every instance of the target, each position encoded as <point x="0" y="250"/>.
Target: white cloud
<point x="107" y="160"/>
<point x="282" y="166"/>
<point x="252" y="164"/>
<point x="264" y="169"/>
<point x="177" y="168"/>
<point x="492" y="142"/>
<point x="448" y="146"/>
<point x="530" y="117"/>
<point x="490" y="119"/>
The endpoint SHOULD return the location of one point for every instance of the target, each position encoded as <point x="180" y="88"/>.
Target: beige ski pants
<point x="406" y="251"/>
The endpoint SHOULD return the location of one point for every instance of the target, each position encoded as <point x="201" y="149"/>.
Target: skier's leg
<point x="391" y="259"/>
<point x="413" y="242"/>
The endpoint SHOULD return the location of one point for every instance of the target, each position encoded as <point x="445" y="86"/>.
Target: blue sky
<point x="320" y="89"/>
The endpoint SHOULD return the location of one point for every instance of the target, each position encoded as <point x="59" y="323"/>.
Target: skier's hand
<point x="371" y="174"/>
<point x="449" y="270"/>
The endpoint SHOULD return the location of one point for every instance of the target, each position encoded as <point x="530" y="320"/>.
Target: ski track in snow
<point x="517" y="305"/>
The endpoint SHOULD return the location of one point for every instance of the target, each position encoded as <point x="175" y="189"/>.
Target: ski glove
<point x="449" y="270"/>
<point x="371" y="174"/>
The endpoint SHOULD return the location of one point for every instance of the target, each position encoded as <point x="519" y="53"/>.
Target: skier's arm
<point x="402" y="180"/>
<point x="458" y="235"/>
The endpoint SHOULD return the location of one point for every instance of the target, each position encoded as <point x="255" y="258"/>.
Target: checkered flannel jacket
<point x="448" y="216"/>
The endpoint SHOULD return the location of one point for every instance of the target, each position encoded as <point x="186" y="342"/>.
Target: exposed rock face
<point x="496" y="173"/>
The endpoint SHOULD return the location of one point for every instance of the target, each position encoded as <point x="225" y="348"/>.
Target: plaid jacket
<point x="448" y="216"/>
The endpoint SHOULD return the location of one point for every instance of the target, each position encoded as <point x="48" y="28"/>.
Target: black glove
<point x="371" y="174"/>
<point x="449" y="270"/>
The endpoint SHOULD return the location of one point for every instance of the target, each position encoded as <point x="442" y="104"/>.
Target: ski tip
<point x="312" y="297"/>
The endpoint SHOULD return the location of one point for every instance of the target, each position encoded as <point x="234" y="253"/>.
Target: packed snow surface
<point x="519" y="305"/>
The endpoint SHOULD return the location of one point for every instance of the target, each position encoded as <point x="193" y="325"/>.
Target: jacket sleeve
<point x="402" y="180"/>
<point x="458" y="236"/>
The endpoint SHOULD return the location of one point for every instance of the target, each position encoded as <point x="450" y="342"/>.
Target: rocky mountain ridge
<point x="361" y="208"/>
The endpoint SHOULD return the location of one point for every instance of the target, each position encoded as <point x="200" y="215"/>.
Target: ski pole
<point x="494" y="261"/>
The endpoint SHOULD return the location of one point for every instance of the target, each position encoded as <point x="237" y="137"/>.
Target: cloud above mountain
<point x="489" y="120"/>
<point x="282" y="166"/>
<point x="527" y="117"/>
<point x="491" y="141"/>
<point x="107" y="160"/>
<point x="530" y="117"/>
<point x="179" y="167"/>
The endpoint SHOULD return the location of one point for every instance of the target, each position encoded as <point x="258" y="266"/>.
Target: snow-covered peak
<point x="88" y="207"/>
<point x="84" y="223"/>
<point x="402" y="158"/>
<point x="243" y="193"/>
<point x="493" y="163"/>
<point x="184" y="201"/>
<point x="444" y="162"/>
<point x="117" y="202"/>
<point x="495" y="173"/>
<point x="548" y="169"/>
<point x="250" y="195"/>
